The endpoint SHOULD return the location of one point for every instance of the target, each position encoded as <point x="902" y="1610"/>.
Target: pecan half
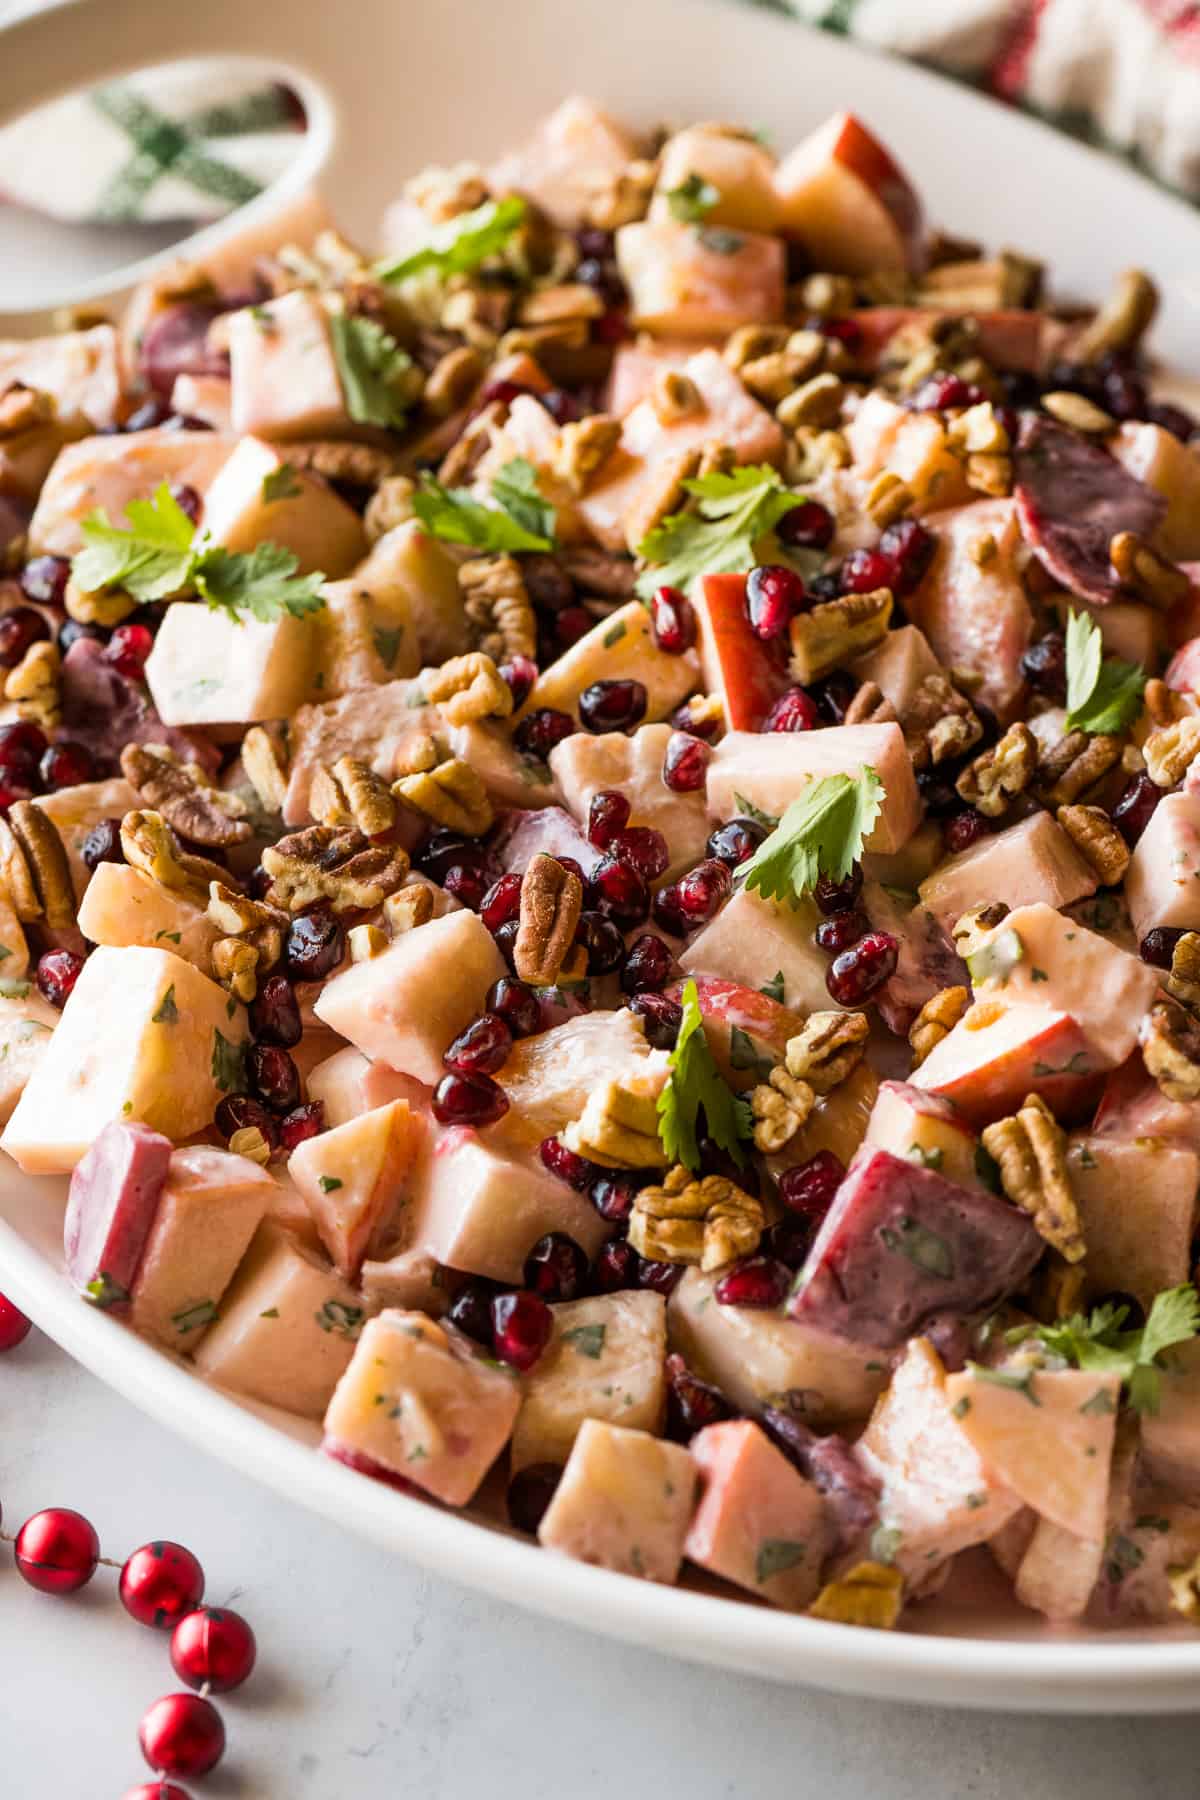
<point x="837" y="631"/>
<point x="585" y="445"/>
<point x="709" y="1221"/>
<point x="341" y="459"/>
<point x="265" y="760"/>
<point x="497" y="606"/>
<point x="468" y="687"/>
<point x="327" y="863"/>
<point x="869" y="1593"/>
<point x="1073" y="765"/>
<point x="936" y="1019"/>
<point x="35" y="685"/>
<point x="596" y="571"/>
<point x="829" y="1048"/>
<point x="1170" y="750"/>
<point x="1184" y="980"/>
<point x="448" y="791"/>
<point x="780" y="1105"/>
<point x="1098" y="841"/>
<point x="1171" y="1050"/>
<point x="1152" y="577"/>
<point x="37" y="838"/>
<point x="618" y="1126"/>
<point x="1031" y="1151"/>
<point x="992" y="781"/>
<point x="870" y="706"/>
<point x="452" y="380"/>
<point x="551" y="902"/>
<point x="150" y="845"/>
<point x="888" y="498"/>
<point x="16" y="876"/>
<point x="774" y="374"/>
<point x="185" y="798"/>
<point x="351" y="793"/>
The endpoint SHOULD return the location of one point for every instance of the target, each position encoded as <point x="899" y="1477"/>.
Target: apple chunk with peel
<point x="846" y="199"/>
<point x="1137" y="1204"/>
<point x="1172" y="469"/>
<point x="747" y="1030"/>
<point x="752" y="938"/>
<point x="996" y="1055"/>
<point x="736" y="665"/>
<point x="419" y="1400"/>
<point x="971" y="603"/>
<point x="604" y="1361"/>
<point x="1027" y="862"/>
<point x="901" y="1244"/>
<point x="771" y="770"/>
<point x="624" y="1502"/>
<point x="759" y="1523"/>
<point x="1047" y="1435"/>
<point x="349" y="1083"/>
<point x="353" y="1176"/>
<point x="689" y="281"/>
<point x="111" y="1204"/>
<point x="925" y="1130"/>
<point x="1162" y="884"/>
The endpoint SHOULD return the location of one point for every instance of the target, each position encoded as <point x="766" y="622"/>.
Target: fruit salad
<point x="600" y="866"/>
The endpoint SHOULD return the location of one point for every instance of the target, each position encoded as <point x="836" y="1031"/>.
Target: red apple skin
<point x="890" y="230"/>
<point x="727" y="1006"/>
<point x="987" y="1077"/>
<point x="737" y="666"/>
<point x="1007" y="339"/>
<point x="1183" y="619"/>
<point x="1132" y="1107"/>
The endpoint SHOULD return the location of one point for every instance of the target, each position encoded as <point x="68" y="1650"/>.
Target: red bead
<point x="774" y="595"/>
<point x="643" y="850"/>
<point x="156" y="1790"/>
<point x="14" y="1326"/>
<point x="566" y="1164"/>
<point x="11" y="792"/>
<point x="1136" y="807"/>
<point x="660" y="1277"/>
<point x="159" y="1584"/>
<point x="128" y="648"/>
<point x="22" y="745"/>
<point x="672" y="621"/>
<point x="685" y="765"/>
<point x="613" y="1194"/>
<point x="701" y="726"/>
<point x="56" y="974"/>
<point x="521" y="1328"/>
<point x="602" y="943"/>
<point x="1158" y="946"/>
<point x="616" y="705"/>
<point x="757" y="1281"/>
<point x="942" y="390"/>
<point x="703" y="890"/>
<point x="612" y="327"/>
<point x="481" y="1047"/>
<point x="691" y="1403"/>
<point x="863" y="571"/>
<point x="67" y="764"/>
<point x="45" y="578"/>
<point x="838" y="896"/>
<point x="793" y="711"/>
<point x="571" y="624"/>
<point x="556" y="1268"/>
<point x="608" y="814"/>
<point x="862" y="970"/>
<point x="315" y="944"/>
<point x="213" y="1646"/>
<point x="187" y="500"/>
<point x="502" y="902"/>
<point x="460" y="1099"/>
<point x="239" y="1112"/>
<point x="808" y="526"/>
<point x="181" y="1734"/>
<point x="57" y="1551"/>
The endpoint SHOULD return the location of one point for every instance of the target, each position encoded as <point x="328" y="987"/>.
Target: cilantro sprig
<point x="1104" y="694"/>
<point x="694" y="1087"/>
<point x="1099" y="1342"/>
<point x="462" y="243"/>
<point x="693" y="200"/>
<point x="732" y="512"/>
<point x="371" y="367"/>
<point x="520" y="519"/>
<point x="822" y="832"/>
<point x="160" y="554"/>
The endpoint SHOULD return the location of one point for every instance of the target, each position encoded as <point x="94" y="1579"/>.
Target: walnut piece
<point x="351" y="793"/>
<point x="45" y="858"/>
<point x="992" y="781"/>
<point x="264" y="758"/>
<point x="939" y="722"/>
<point x="1183" y="983"/>
<point x="1170" y="1039"/>
<point x="1073" y="765"/>
<point x="448" y="791"/>
<point x="1098" y="841"/>
<point x="467" y="688"/>
<point x="1030" y="1148"/>
<point x="1170" y="750"/>
<point x="780" y="1105"/>
<point x="585" y="445"/>
<point x="551" y="902"/>
<point x="150" y="845"/>
<point x="675" y="396"/>
<point x="185" y="798"/>
<point x="97" y="606"/>
<point x="829" y="1048"/>
<point x="330" y="863"/>
<point x="618" y="1127"/>
<point x="687" y="1219"/>
<point x="870" y="1593"/>
<point x="35" y="685"/>
<point x="936" y="1019"/>
<point x="390" y="505"/>
<point x="603" y="572"/>
<point x="498" y="607"/>
<point x="837" y="631"/>
<point x="870" y="706"/>
<point x="410" y="906"/>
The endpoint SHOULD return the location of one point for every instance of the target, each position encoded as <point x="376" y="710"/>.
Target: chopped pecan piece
<point x="351" y="793"/>
<point x="618" y="1126"/>
<point x="1031" y="1151"/>
<point x="551" y="902"/>
<point x="829" y="1048"/>
<point x="1171" y="749"/>
<point x="366" y="941"/>
<point x="809" y="454"/>
<point x="452" y="380"/>
<point x="239" y="915"/>
<point x="816" y="402"/>
<point x="870" y="1593"/>
<point x="1124" y="318"/>
<point x="750" y="343"/>
<point x="584" y="446"/>
<point x="1162" y="703"/>
<point x="1171" y="1050"/>
<point x="150" y="845"/>
<point x="774" y="374"/>
<point x="1141" y="567"/>
<point x="390" y="505"/>
<point x="264" y="758"/>
<point x="24" y="408"/>
<point x="341" y="459"/>
<point x="596" y="571"/>
<point x="992" y="781"/>
<point x="780" y="1105"/>
<point x="1184" y="980"/>
<point x="935" y="1020"/>
<point x="1098" y="841"/>
<point x="989" y="474"/>
<point x="1073" y="765"/>
<point x="689" y="1219"/>
<point x="35" y="685"/>
<point x="971" y="927"/>
<point x="185" y="798"/>
<point x="939" y="722"/>
<point x="448" y="791"/>
<point x="837" y="631"/>
<point x="327" y="863"/>
<point x="498" y="607"/>
<point x="870" y="706"/>
<point x="411" y="906"/>
<point x="101" y="606"/>
<point x="675" y="396"/>
<point x="567" y="300"/>
<point x="467" y="688"/>
<point x="46" y="861"/>
<point x="623" y="198"/>
<point x="471" y="446"/>
<point x="888" y="498"/>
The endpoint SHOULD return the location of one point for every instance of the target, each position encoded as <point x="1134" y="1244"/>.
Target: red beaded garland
<point x="157" y="1790"/>
<point x="14" y="1326"/>
<point x="181" y="1734"/>
<point x="160" y="1583"/>
<point x="57" y="1551"/>
<point x="213" y="1647"/>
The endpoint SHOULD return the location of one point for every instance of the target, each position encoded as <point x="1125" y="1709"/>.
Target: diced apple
<point x="911" y="445"/>
<point x="735" y="664"/>
<point x="404" y="1006"/>
<point x="740" y="169"/>
<point x="348" y="1084"/>
<point x="287" y="1327"/>
<point x="618" y="648"/>
<point x="548" y="831"/>
<point x="353" y="1177"/>
<point x="898" y="666"/>
<point x="753" y="940"/>
<point x="624" y="1502"/>
<point x="605" y="1361"/>
<point x="993" y="1057"/>
<point x="81" y="369"/>
<point x="635" y="366"/>
<point x="1058" y="1572"/>
<point x="1127" y="628"/>
<point x="759" y="1523"/>
<point x="363" y="641"/>
<point x="412" y="574"/>
<point x="925" y="1129"/>
<point x="284" y="374"/>
<point x="747" y="1030"/>
<point x="111" y="1206"/>
<point x="75" y="811"/>
<point x="144" y="1037"/>
<point x="1008" y="339"/>
<point x="1162" y="883"/>
<point x="772" y="770"/>
<point x="109" y="472"/>
<point x="419" y="1400"/>
<point x="205" y="397"/>
<point x="972" y="605"/>
<point x="1182" y="673"/>
<point x="209" y="1208"/>
<point x="372" y="723"/>
<point x="1133" y="1107"/>
<point x="846" y="199"/>
<point x="26" y="1022"/>
<point x="123" y="906"/>
<point x="209" y="668"/>
<point x="574" y="153"/>
<point x="258" y="495"/>
<point x="411" y="1279"/>
<point x="511" y="778"/>
<point x="758" y="1358"/>
<point x="1171" y="1436"/>
<point x="940" y="1495"/>
<point x="689" y="281"/>
<point x="549" y="1076"/>
<point x="1137" y="1204"/>
<point x="1157" y="457"/>
<point x="1046" y="1434"/>
<point x="1030" y="862"/>
<point x="584" y="766"/>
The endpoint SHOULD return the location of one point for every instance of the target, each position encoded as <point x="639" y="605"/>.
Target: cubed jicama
<point x="412" y="575"/>
<point x="604" y="1361"/>
<point x="1172" y="468"/>
<point x="361" y="642"/>
<point x="210" y="668"/>
<point x="109" y="472"/>
<point x="287" y="1328"/>
<point x="1137" y="1206"/>
<point x="349" y="1083"/>
<point x="143" y="1037"/>
<point x="1162" y="883"/>
<point x="584" y="766"/>
<point x="770" y="770"/>
<point x="996" y="1055"/>
<point x="925" y="1129"/>
<point x="419" y="1400"/>
<point x="738" y="168"/>
<point x="400" y="1007"/>
<point x="80" y="369"/>
<point x="1058" y="1572"/>
<point x="258" y="495"/>
<point x="1033" y="860"/>
<point x="1170" y="1437"/>
<point x="549" y="1076"/>
<point x="971" y="603"/>
<point x="753" y="940"/>
<point x="1128" y="628"/>
<point x="353" y="1178"/>
<point x="1133" y="1106"/>
<point x="285" y="380"/>
<point x="111" y="1207"/>
<point x="688" y="281"/>
<point x="759" y="1523"/>
<point x="624" y="1502"/>
<point x="122" y="905"/>
<point x="26" y="1022"/>
<point x="209" y="1207"/>
<point x="898" y="666"/>
<point x="618" y="648"/>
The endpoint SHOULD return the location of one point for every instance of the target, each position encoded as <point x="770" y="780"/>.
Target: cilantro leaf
<point x="150" y="559"/>
<point x="456" y="516"/>
<point x="514" y="487"/>
<point x="1099" y="1344"/>
<point x="693" y="200"/>
<point x="280" y="484"/>
<point x="1104" y="694"/>
<point x="262" y="583"/>
<point x="821" y="833"/>
<point x="694" y="1086"/>
<point x="718" y="538"/>
<point x="371" y="366"/>
<point x="462" y="243"/>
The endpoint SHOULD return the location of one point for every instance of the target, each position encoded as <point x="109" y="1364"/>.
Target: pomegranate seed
<point x="660" y="1277"/>
<point x="22" y="746"/>
<point x="19" y="629"/>
<point x="539" y="731"/>
<point x="275" y="1013"/>
<point x="563" y="407"/>
<point x="67" y="764"/>
<point x="615" y="1267"/>
<point x="44" y="578"/>
<point x="274" y="1077"/>
<point x="571" y="624"/>
<point x="938" y="794"/>
<point x="844" y="331"/>
<point x="684" y="719"/>
<point x="444" y="850"/>
<point x="520" y="672"/>
<point x="774" y="595"/>
<point x="756" y="1281"/>
<point x="613" y="1196"/>
<point x="838" y="896"/>
<point x="504" y="391"/>
<point x="666" y="911"/>
<point x="471" y="1309"/>
<point x="1158" y="946"/>
<point x="1135" y="808"/>
<point x="608" y="814"/>
<point x="128" y="648"/>
<point x="612" y="327"/>
<point x="529" y="1495"/>
<point x="501" y="903"/>
<point x="506" y="940"/>
<point x="11" y="792"/>
<point x="942" y="390"/>
<point x="314" y="946"/>
<point x="462" y="1099"/>
<point x="672" y="621"/>
<point x="833" y="695"/>
<point x="648" y="965"/>
<point x="566" y="1164"/>
<point x="602" y="942"/>
<point x="691" y="1403"/>
<point x="685" y="765"/>
<point x="467" y="885"/>
<point x="571" y="866"/>
<point x="521" y="1328"/>
<point x="703" y="890"/>
<point x="556" y="1268"/>
<point x="788" y="1241"/>
<point x="238" y="1112"/>
<point x="612" y="705"/>
<point x="863" y="571"/>
<point x="301" y="1123"/>
<point x="839" y="931"/>
<point x="964" y="829"/>
<point x="601" y="274"/>
<point x="661" y="1019"/>
<point x="736" y="842"/>
<point x="102" y="844"/>
<point x="619" y="891"/>
<point x="187" y="500"/>
<point x="860" y="971"/>
<point x="593" y="240"/>
<point x="793" y="711"/>
<point x="515" y="1003"/>
<point x="910" y="546"/>
<point x="1044" y="666"/>
<point x="642" y="849"/>
<point x="481" y="1048"/>
<point x="808" y="526"/>
<point x="808" y="1189"/>
<point x="56" y="975"/>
